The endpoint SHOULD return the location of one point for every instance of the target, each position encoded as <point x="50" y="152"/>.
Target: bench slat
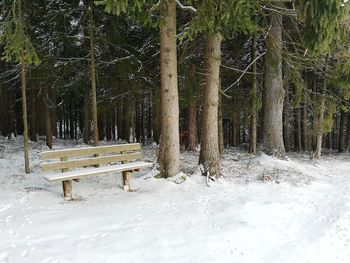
<point x="90" y="161"/>
<point x="96" y="171"/>
<point x="56" y="154"/>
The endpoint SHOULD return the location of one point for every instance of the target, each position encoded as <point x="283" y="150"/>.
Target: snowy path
<point x="162" y="221"/>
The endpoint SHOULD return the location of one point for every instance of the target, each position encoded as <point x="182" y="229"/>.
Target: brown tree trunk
<point x="86" y="116"/>
<point x="120" y="120"/>
<point x="192" y="128"/>
<point x="220" y="126"/>
<point x="126" y="120"/>
<point x="236" y="124"/>
<point x="113" y="124"/>
<point x="286" y="121"/>
<point x="341" y="132"/>
<point x="33" y="120"/>
<point x="315" y="115"/>
<point x="108" y="125"/>
<point x="254" y="97"/>
<point x="304" y="132"/>
<point x="320" y="122"/>
<point x="273" y="108"/>
<point x="297" y="129"/>
<point x="48" y="123"/>
<point x="5" y="129"/>
<point x="348" y="133"/>
<point x="25" y="117"/>
<point x="93" y="76"/>
<point x="169" y="155"/>
<point x="209" y="154"/>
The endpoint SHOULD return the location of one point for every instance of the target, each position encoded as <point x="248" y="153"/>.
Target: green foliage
<point x="138" y="10"/>
<point x="15" y="39"/>
<point x="299" y="84"/>
<point x="225" y="17"/>
<point x="322" y="22"/>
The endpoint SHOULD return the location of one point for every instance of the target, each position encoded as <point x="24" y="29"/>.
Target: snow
<point x="264" y="210"/>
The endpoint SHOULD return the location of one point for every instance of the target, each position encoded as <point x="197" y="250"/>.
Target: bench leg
<point x="67" y="188"/>
<point x="126" y="178"/>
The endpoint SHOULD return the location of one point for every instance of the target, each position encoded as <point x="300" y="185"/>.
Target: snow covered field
<point x="264" y="210"/>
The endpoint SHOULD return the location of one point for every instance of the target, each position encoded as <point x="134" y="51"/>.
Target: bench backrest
<point x="90" y="156"/>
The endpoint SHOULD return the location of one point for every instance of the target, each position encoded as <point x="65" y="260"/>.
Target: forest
<point x="220" y="73"/>
<point x="202" y="85"/>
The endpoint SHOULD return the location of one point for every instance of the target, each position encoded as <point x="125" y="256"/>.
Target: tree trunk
<point x="33" y="120"/>
<point x="348" y="133"/>
<point x="113" y="124"/>
<point x="126" y="120"/>
<point x="320" y="122"/>
<point x="273" y="106"/>
<point x="169" y="155"/>
<point x="209" y="154"/>
<point x="86" y="116"/>
<point x="192" y="128"/>
<point x="341" y="132"/>
<point x="254" y="97"/>
<point x="236" y="126"/>
<point x="304" y="132"/>
<point x="108" y="125"/>
<point x="286" y="121"/>
<point x="315" y="115"/>
<point x="5" y="129"/>
<point x="120" y="120"/>
<point x="25" y="117"/>
<point x="220" y="126"/>
<point x="48" y="127"/>
<point x="297" y="129"/>
<point x="93" y="76"/>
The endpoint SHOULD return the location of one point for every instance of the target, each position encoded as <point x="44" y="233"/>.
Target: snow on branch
<point x="186" y="7"/>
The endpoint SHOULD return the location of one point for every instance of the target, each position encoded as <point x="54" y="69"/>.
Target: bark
<point x="320" y="122"/>
<point x="297" y="129"/>
<point x="335" y="132"/>
<point x="113" y="124"/>
<point x="220" y="127"/>
<point x="93" y="76"/>
<point x="48" y="123"/>
<point x="169" y="156"/>
<point x="348" y="133"/>
<point x="61" y="132"/>
<point x="108" y="125"/>
<point x="71" y="121"/>
<point x="304" y="131"/>
<point x="86" y="128"/>
<point x="125" y="135"/>
<point x="209" y="154"/>
<point x="53" y="121"/>
<point x="286" y="114"/>
<point x="254" y="97"/>
<point x="314" y="116"/>
<point x="273" y="107"/>
<point x="236" y="124"/>
<point x="33" y="120"/>
<point x="120" y="120"/>
<point x="24" y="110"/>
<point x="341" y="132"/>
<point x="149" y="119"/>
<point x="192" y="139"/>
<point x="101" y="126"/>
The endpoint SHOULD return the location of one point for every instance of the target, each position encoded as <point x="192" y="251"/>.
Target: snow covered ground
<point x="264" y="210"/>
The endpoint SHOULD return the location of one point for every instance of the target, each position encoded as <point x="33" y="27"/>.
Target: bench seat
<point x="77" y="174"/>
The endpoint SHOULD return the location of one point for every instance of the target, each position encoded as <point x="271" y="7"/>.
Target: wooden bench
<point x="115" y="158"/>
